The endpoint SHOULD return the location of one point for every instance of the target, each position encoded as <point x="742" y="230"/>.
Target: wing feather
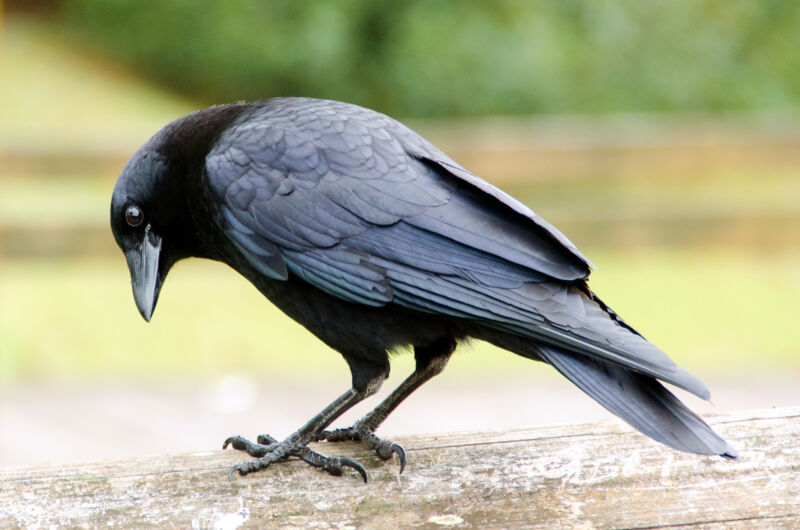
<point x="361" y="207"/>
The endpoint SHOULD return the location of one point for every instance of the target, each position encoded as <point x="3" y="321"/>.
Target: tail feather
<point x="640" y="400"/>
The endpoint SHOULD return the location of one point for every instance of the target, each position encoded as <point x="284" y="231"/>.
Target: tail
<point x="640" y="400"/>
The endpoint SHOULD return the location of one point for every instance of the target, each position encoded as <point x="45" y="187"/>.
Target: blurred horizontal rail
<point x="599" y="229"/>
<point x="55" y="163"/>
<point x="510" y="149"/>
<point x="534" y="147"/>
<point x="540" y="153"/>
<point x="590" y="475"/>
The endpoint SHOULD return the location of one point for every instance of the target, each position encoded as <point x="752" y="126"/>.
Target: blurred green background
<point x="662" y="137"/>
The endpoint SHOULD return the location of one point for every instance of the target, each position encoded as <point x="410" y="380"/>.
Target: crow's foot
<point x="361" y="431"/>
<point x="268" y="450"/>
<point x="263" y="446"/>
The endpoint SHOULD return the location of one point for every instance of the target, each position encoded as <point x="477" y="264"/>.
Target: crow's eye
<point x="134" y="215"/>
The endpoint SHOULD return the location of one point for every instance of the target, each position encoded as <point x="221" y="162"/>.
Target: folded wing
<point x="366" y="210"/>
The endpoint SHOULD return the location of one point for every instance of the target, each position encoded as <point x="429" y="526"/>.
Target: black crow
<point x="374" y="240"/>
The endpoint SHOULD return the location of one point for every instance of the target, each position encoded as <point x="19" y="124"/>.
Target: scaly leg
<point x="268" y="450"/>
<point x="431" y="360"/>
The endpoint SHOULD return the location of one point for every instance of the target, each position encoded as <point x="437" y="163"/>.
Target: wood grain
<point x="591" y="475"/>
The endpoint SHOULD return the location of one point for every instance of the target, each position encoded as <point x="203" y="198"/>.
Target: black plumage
<point x="373" y="239"/>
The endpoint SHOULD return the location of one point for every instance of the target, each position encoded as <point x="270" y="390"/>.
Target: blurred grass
<point x="726" y="312"/>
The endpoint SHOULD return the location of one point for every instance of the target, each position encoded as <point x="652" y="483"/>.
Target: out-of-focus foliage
<point x="440" y="57"/>
<point x="56" y="99"/>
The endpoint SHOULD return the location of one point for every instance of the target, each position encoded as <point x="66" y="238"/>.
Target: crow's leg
<point x="431" y="359"/>
<point x="367" y="379"/>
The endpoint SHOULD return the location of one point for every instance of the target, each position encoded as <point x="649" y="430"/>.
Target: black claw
<point x="401" y="454"/>
<point x="237" y="442"/>
<point x="245" y="468"/>
<point x="269" y="450"/>
<point x="355" y="464"/>
<point x="243" y="444"/>
<point x="383" y="448"/>
<point x="233" y="469"/>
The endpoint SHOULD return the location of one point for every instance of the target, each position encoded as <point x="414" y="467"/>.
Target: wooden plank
<point x="590" y="475"/>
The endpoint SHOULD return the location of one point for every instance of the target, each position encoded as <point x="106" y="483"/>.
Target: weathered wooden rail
<point x="590" y="475"/>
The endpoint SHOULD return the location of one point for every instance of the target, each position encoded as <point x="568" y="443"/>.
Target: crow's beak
<point x="144" y="264"/>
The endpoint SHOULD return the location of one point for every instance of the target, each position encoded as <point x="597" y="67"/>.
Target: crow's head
<point x="154" y="209"/>
<point x="149" y="222"/>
